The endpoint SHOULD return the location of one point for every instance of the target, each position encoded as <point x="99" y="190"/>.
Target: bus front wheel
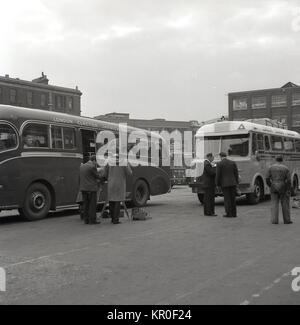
<point x="37" y="202"/>
<point x="258" y="193"/>
<point x="140" y="193"/>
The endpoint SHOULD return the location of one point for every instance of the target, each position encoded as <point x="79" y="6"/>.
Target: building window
<point x="58" y="102"/>
<point x="296" y="120"/>
<point x="43" y="100"/>
<point x="13" y="96"/>
<point x="240" y="104"/>
<point x="29" y="98"/>
<point x="296" y="99"/>
<point x="36" y="136"/>
<point x="259" y="102"/>
<point x="70" y="104"/>
<point x="279" y="101"/>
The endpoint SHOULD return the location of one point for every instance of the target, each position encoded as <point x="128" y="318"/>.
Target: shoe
<point x="274" y="223"/>
<point x="86" y="222"/>
<point x="116" y="222"/>
<point x="95" y="222"/>
<point x="213" y="215"/>
<point x="288" y="223"/>
<point x="226" y="216"/>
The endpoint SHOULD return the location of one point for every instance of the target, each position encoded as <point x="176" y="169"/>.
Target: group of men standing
<point x="225" y="177"/>
<point x="91" y="184"/>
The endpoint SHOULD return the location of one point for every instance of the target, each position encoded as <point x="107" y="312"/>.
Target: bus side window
<point x="297" y="145"/>
<point x="56" y="137"/>
<point x="267" y="143"/>
<point x="254" y="143"/>
<point x="69" y="138"/>
<point x="8" y="137"/>
<point x="289" y="144"/>
<point x="276" y="143"/>
<point x="260" y="142"/>
<point x="36" y="136"/>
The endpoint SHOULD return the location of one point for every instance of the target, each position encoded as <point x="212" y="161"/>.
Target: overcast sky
<point x="153" y="58"/>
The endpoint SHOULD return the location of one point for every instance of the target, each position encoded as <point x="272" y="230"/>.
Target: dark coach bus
<point x="40" y="156"/>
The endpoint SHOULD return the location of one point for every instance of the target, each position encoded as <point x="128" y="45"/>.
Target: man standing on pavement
<point x="279" y="180"/>
<point x="227" y="178"/>
<point x="117" y="174"/>
<point x="89" y="186"/>
<point x="209" y="185"/>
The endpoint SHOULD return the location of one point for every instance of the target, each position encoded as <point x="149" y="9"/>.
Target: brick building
<point x="39" y="94"/>
<point x="280" y="104"/>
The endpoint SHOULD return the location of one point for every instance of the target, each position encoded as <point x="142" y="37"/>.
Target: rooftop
<point x="288" y="85"/>
<point x="41" y="82"/>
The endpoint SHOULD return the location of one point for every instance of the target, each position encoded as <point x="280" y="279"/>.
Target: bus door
<point x="88" y="138"/>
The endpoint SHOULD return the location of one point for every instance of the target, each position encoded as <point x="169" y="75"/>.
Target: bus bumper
<point x="243" y="187"/>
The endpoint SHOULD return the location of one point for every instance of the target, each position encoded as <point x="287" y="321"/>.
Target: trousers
<point x="284" y="200"/>
<point x="89" y="206"/>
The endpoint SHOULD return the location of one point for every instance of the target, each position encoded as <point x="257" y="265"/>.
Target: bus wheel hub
<point x="38" y="201"/>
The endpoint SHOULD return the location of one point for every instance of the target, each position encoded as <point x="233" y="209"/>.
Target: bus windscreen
<point x="232" y="145"/>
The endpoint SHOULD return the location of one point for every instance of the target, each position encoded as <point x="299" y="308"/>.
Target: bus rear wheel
<point x="201" y="197"/>
<point x="140" y="193"/>
<point x="37" y="202"/>
<point x="295" y="186"/>
<point x="258" y="193"/>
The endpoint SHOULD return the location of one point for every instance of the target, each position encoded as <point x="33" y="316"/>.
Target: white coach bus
<point x="254" y="148"/>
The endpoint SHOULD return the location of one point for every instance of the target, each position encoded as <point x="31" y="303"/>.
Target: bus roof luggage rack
<point x="268" y="122"/>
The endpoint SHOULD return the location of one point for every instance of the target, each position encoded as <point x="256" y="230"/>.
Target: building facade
<point x="279" y="104"/>
<point x="40" y="95"/>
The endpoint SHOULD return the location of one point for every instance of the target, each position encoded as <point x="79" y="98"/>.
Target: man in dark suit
<point x="88" y="186"/>
<point x="227" y="178"/>
<point x="209" y="185"/>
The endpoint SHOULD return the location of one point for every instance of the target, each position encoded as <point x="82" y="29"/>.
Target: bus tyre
<point x="37" y="202"/>
<point x="201" y="197"/>
<point x="258" y="193"/>
<point x="140" y="193"/>
<point x="295" y="186"/>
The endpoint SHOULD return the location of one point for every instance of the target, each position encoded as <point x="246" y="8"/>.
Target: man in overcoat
<point x="117" y="174"/>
